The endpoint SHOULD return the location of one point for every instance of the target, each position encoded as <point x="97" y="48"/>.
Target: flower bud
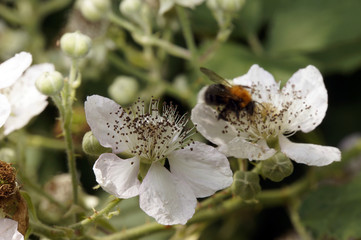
<point x="136" y="10"/>
<point x="7" y="154"/>
<point x="12" y="204"/>
<point x="277" y="167"/>
<point x="246" y="185"/>
<point x="123" y="90"/>
<point x="50" y="83"/>
<point x="92" y="146"/>
<point x="129" y="7"/>
<point x="76" y="44"/>
<point x="229" y="6"/>
<point x="94" y="10"/>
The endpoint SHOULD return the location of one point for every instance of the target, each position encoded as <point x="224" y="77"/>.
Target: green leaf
<point x="30" y="204"/>
<point x="334" y="211"/>
<point x="309" y="25"/>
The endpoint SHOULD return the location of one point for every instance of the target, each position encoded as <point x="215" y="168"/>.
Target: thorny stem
<point x="96" y="214"/>
<point x="267" y="198"/>
<point x="50" y="232"/>
<point x="66" y="114"/>
<point x="67" y="132"/>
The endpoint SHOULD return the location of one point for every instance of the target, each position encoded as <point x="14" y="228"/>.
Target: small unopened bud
<point x="277" y="167"/>
<point x="128" y="7"/>
<point x="246" y="185"/>
<point x="94" y="10"/>
<point x="75" y="45"/>
<point x="123" y="90"/>
<point x="228" y="6"/>
<point x="92" y="146"/>
<point x="136" y="10"/>
<point x="50" y="83"/>
<point x="7" y="154"/>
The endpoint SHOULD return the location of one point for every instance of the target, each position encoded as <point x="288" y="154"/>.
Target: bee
<point x="233" y="98"/>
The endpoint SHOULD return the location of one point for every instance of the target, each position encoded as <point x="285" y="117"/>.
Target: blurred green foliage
<point x="281" y="36"/>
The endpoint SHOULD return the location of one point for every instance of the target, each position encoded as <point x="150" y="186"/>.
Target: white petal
<point x="204" y="168"/>
<point x="4" y="109"/>
<point x="310" y="154"/>
<point x="263" y="85"/>
<point x="240" y="148"/>
<point x="165" y="5"/>
<point x="8" y="230"/>
<point x="26" y="101"/>
<point x="13" y="68"/>
<point x="102" y="114"/>
<point x="206" y="120"/>
<point x="307" y="90"/>
<point x="165" y="197"/>
<point x="117" y="176"/>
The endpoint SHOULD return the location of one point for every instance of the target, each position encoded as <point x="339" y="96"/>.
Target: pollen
<point x="151" y="134"/>
<point x="271" y="117"/>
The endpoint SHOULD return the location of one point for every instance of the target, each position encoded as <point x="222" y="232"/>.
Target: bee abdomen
<point x="212" y="95"/>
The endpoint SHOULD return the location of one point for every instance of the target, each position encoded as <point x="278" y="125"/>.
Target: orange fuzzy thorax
<point x="241" y="94"/>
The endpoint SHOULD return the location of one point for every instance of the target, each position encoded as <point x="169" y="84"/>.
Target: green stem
<point x="295" y="219"/>
<point x="215" y="199"/>
<point x="122" y="23"/>
<point x="255" y="44"/>
<point x="10" y="15"/>
<point x="165" y="45"/>
<point x="67" y="121"/>
<point x="96" y="214"/>
<point x="137" y="232"/>
<point x="268" y="198"/>
<point x="188" y="35"/>
<point x="48" y="7"/>
<point x="149" y="40"/>
<point x="224" y="31"/>
<point x="49" y="232"/>
<point x="46" y="142"/>
<point x="127" y="68"/>
<point x="242" y="164"/>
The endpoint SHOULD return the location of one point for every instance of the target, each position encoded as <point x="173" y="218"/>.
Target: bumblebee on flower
<point x="299" y="106"/>
<point x="152" y="138"/>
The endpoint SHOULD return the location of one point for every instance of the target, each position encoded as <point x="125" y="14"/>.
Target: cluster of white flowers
<point x="19" y="98"/>
<point x="197" y="170"/>
<point x="19" y="102"/>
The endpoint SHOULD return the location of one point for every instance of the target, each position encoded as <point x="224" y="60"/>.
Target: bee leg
<point x="223" y="114"/>
<point x="250" y="108"/>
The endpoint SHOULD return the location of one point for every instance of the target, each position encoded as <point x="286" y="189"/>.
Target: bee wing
<point x="215" y="77"/>
<point x="220" y="90"/>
